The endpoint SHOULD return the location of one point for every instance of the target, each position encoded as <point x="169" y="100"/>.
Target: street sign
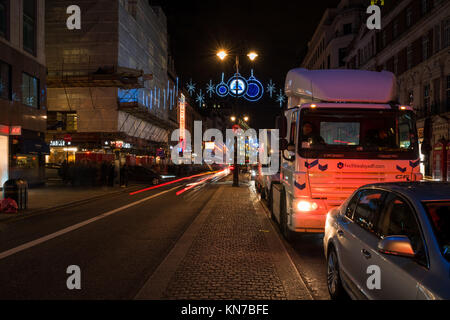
<point x="68" y="138"/>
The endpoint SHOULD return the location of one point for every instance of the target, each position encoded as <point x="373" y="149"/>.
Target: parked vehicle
<point x="401" y="228"/>
<point x="341" y="131"/>
<point x="143" y="175"/>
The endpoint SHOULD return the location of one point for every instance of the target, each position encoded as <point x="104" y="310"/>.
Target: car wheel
<point x="287" y="233"/>
<point x="334" y="282"/>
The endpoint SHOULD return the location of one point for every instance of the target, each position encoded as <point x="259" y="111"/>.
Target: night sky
<point x="278" y="31"/>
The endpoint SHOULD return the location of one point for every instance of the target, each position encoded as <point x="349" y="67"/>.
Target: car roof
<point x="421" y="191"/>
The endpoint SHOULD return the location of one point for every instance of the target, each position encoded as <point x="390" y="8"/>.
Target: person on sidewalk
<point x="124" y="175"/>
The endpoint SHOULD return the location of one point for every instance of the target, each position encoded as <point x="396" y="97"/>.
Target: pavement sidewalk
<point x="56" y="196"/>
<point x="230" y="252"/>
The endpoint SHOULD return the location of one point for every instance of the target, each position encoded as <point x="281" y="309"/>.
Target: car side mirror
<point x="291" y="147"/>
<point x="282" y="125"/>
<point x="396" y="246"/>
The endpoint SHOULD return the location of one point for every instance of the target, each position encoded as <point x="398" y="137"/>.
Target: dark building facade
<point x="22" y="91"/>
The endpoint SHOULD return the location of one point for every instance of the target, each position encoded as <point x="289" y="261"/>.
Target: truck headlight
<point x="307" y="206"/>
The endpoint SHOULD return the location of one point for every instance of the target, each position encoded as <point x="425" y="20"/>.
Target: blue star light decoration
<point x="271" y="88"/>
<point x="200" y="99"/>
<point x="191" y="87"/>
<point x="281" y="98"/>
<point x="210" y="88"/>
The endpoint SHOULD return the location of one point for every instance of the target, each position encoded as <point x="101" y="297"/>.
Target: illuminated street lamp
<point x="252" y="56"/>
<point x="222" y="54"/>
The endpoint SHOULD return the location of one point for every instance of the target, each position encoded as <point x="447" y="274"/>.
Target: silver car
<point x="390" y="242"/>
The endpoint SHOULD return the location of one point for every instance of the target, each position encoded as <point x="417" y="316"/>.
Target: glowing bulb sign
<point x="237" y="86"/>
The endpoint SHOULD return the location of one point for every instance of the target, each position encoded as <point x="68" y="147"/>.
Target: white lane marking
<point x="54" y="235"/>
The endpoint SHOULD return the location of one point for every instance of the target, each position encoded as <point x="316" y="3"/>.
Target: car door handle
<point x="366" y="254"/>
<point x="340" y="233"/>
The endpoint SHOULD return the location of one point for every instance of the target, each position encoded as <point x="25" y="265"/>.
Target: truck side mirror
<point x="284" y="144"/>
<point x="282" y="126"/>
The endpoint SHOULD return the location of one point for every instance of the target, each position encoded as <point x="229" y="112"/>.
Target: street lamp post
<point x="222" y="54"/>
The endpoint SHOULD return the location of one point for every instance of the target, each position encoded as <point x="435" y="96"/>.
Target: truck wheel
<point x="263" y="193"/>
<point x="285" y="231"/>
<point x="334" y="282"/>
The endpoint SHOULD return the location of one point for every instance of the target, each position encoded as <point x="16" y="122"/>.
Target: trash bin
<point x="17" y="190"/>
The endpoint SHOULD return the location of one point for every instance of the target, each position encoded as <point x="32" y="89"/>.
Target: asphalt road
<point x="118" y="242"/>
<point x="116" y="255"/>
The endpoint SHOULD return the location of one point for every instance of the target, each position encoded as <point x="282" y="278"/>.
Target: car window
<point x="368" y="209"/>
<point x="399" y="219"/>
<point x="352" y="206"/>
<point x="439" y="214"/>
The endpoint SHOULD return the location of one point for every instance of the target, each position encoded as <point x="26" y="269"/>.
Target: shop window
<point x="437" y="38"/>
<point x="4" y="9"/>
<point x="5" y="81"/>
<point x="29" y="26"/>
<point x="30" y="91"/>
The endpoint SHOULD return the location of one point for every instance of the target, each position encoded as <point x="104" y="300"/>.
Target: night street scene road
<point x="225" y="159"/>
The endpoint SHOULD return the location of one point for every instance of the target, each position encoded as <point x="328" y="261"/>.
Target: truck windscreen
<point x="358" y="134"/>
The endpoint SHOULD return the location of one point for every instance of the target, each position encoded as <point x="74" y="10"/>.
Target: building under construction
<point x="108" y="86"/>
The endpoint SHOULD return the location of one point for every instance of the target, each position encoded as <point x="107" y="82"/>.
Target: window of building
<point x="409" y="56"/>
<point x="29" y="26"/>
<point x="329" y="61"/>
<point x="396" y="64"/>
<point x="4" y="18"/>
<point x="425" y="43"/>
<point x="411" y="98"/>
<point x="62" y="121"/>
<point x="5" y="81"/>
<point x="448" y="92"/>
<point x="409" y="16"/>
<point x="395" y="29"/>
<point x="132" y="8"/>
<point x="342" y="53"/>
<point x="424" y="6"/>
<point x="446" y="41"/>
<point x="30" y="91"/>
<point x="426" y="97"/>
<point x="437" y="38"/>
<point x="347" y="28"/>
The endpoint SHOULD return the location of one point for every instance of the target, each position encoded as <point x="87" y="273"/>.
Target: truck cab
<point x="341" y="130"/>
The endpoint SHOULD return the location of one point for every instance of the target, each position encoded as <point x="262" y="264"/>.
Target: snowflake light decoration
<point x="271" y="88"/>
<point x="200" y="98"/>
<point x="29" y="101"/>
<point x="210" y="88"/>
<point x="281" y="98"/>
<point x="191" y="87"/>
